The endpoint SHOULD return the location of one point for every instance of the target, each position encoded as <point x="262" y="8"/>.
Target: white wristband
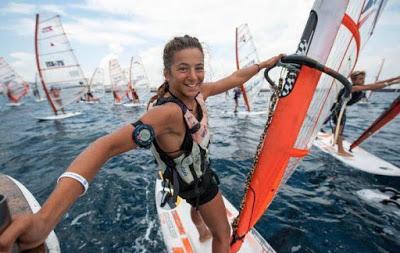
<point x="78" y="178"/>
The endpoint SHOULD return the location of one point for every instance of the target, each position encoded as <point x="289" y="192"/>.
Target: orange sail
<point x="334" y="35"/>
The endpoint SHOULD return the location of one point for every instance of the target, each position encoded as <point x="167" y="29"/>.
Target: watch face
<point x="144" y="135"/>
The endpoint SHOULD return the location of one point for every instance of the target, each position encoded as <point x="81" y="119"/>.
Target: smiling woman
<point x="176" y="129"/>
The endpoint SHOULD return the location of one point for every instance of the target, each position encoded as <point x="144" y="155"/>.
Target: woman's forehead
<point x="188" y="56"/>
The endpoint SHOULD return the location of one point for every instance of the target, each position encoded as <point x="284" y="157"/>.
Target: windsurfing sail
<point x="138" y="80"/>
<point x="381" y="121"/>
<point x="119" y="81"/>
<point x="15" y="87"/>
<point x="208" y="70"/>
<point x="60" y="73"/>
<point x="368" y="93"/>
<point x="96" y="83"/>
<point x="246" y="55"/>
<point x="333" y="36"/>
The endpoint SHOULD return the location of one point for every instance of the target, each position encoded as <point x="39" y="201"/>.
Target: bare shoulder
<point x="163" y="116"/>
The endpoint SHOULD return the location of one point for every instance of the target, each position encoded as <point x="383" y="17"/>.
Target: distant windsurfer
<point x="132" y="95"/>
<point x="236" y="96"/>
<point x="117" y="98"/>
<point x="55" y="94"/>
<point x="36" y="93"/>
<point x="12" y="97"/>
<point x="89" y="97"/>
<point x="357" y="94"/>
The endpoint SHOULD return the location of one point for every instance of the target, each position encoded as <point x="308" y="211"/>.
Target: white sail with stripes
<point x="62" y="77"/>
<point x="13" y="84"/>
<point x="246" y="55"/>
<point x="208" y="70"/>
<point x="118" y="80"/>
<point x="139" y="81"/>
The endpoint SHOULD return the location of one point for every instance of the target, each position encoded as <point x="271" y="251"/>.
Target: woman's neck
<point x="190" y="102"/>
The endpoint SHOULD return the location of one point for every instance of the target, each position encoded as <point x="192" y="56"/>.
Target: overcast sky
<point x="101" y="29"/>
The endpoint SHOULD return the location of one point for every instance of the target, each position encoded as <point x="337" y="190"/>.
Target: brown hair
<point x="357" y="73"/>
<point x="175" y="45"/>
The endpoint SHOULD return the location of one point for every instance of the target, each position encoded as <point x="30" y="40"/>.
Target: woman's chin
<point x="192" y="92"/>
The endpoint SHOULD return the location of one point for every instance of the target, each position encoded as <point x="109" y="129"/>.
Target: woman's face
<point x="359" y="80"/>
<point x="187" y="72"/>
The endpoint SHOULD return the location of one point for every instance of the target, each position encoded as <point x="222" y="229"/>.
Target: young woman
<point x="175" y="128"/>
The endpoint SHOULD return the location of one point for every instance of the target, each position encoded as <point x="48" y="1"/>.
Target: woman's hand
<point x="271" y="62"/>
<point x="30" y="230"/>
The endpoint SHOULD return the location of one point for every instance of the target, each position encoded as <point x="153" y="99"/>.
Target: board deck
<point x="361" y="159"/>
<point x="180" y="234"/>
<point x="58" y="117"/>
<point x="134" y="105"/>
<point x="14" y="104"/>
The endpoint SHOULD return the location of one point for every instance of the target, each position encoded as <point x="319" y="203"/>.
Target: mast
<point x="39" y="69"/>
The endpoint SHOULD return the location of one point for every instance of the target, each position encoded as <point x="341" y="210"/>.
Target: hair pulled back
<point x="173" y="46"/>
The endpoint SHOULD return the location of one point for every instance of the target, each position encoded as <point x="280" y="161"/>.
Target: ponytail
<point x="164" y="87"/>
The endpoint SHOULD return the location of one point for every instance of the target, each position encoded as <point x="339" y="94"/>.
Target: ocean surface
<point x="318" y="209"/>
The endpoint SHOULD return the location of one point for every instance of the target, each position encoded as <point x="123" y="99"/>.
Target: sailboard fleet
<point x="301" y="99"/>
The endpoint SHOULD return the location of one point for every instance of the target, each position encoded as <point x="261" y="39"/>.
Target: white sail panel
<point x="119" y="81"/>
<point x="139" y="80"/>
<point x="62" y="76"/>
<point x="208" y="70"/>
<point x="246" y="55"/>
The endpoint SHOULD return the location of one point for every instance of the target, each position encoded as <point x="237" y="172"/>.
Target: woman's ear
<point x="167" y="75"/>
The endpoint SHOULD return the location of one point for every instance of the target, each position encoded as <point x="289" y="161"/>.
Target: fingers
<point x="9" y="236"/>
<point x="21" y="228"/>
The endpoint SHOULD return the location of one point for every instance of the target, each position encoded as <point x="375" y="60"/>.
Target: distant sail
<point x="368" y="93"/>
<point x="138" y="79"/>
<point x="96" y="83"/>
<point x="119" y="81"/>
<point x="208" y="70"/>
<point x="333" y="36"/>
<point x="60" y="73"/>
<point x="15" y="87"/>
<point x="246" y="55"/>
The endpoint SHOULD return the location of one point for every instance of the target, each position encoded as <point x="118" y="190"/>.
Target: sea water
<point x="318" y="209"/>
